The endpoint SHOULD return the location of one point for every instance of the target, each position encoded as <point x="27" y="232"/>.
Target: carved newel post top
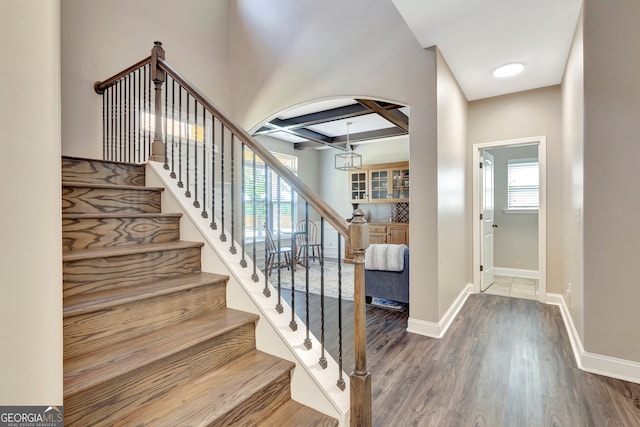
<point x="358" y="232"/>
<point x="358" y="217"/>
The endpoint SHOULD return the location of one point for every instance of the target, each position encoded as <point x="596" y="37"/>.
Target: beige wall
<point x="453" y="209"/>
<point x="516" y="238"/>
<point x="573" y="181"/>
<point x="291" y="52"/>
<point x="527" y="114"/>
<point x="31" y="228"/>
<point x="611" y="179"/>
<point x="101" y="38"/>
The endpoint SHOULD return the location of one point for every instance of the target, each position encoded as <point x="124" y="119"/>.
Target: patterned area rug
<point x="330" y="279"/>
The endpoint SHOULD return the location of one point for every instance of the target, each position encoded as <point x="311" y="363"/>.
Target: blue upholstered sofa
<point x="393" y="285"/>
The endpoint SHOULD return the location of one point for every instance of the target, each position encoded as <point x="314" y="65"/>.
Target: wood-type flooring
<point x="503" y="362"/>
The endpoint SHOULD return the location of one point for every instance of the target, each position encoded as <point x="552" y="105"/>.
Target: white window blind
<point x="278" y="211"/>
<point x="523" y="184"/>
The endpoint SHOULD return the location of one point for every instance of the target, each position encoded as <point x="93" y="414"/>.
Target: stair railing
<point x="203" y="148"/>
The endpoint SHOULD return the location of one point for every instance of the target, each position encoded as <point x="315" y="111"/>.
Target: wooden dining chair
<point x="307" y="241"/>
<point x="272" y="253"/>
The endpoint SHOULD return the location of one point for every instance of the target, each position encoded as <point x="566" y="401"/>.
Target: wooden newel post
<point x="158" y="77"/>
<point x="360" y="378"/>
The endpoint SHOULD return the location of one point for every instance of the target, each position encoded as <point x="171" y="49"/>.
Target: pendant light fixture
<point x="349" y="160"/>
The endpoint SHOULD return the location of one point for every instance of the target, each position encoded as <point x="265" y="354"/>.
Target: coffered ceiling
<point x="330" y="123"/>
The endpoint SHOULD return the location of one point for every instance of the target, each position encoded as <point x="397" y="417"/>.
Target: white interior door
<point x="487" y="221"/>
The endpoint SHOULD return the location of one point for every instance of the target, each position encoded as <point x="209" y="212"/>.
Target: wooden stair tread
<point x="83" y="372"/>
<point x="86" y="303"/>
<point x="88" y="159"/>
<point x="118" y="215"/>
<point x="213" y="395"/>
<point x="292" y="413"/>
<point x="110" y="186"/>
<point x="114" y="251"/>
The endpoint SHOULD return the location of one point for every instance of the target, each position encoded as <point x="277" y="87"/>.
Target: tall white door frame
<point x="541" y="142"/>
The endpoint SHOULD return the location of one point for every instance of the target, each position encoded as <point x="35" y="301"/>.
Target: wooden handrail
<point x="330" y="214"/>
<point x="100" y="87"/>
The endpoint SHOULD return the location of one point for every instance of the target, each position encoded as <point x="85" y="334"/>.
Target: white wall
<point x="516" y="238"/>
<point x="291" y="52"/>
<point x="611" y="179"/>
<point x="573" y="179"/>
<point x="31" y="228"/>
<point x="527" y="114"/>
<point x="453" y="210"/>
<point x="101" y="38"/>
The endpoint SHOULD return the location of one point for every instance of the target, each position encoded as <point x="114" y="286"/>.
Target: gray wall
<point x="573" y="179"/>
<point x="526" y="114"/>
<point x="454" y="211"/>
<point x="516" y="238"/>
<point x="611" y="179"/>
<point x="31" y="227"/>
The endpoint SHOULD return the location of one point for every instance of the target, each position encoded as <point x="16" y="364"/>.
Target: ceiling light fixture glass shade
<point x="508" y="70"/>
<point x="349" y="160"/>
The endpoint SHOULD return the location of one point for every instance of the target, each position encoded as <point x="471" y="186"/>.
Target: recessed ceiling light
<point x="508" y="70"/>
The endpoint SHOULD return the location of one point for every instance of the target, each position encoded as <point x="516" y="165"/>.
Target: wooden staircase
<point x="148" y="339"/>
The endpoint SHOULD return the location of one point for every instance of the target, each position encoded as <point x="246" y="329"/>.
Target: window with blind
<point x="523" y="184"/>
<point x="274" y="198"/>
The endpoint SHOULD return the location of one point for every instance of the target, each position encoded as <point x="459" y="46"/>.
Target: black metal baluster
<point x="254" y="276"/>
<point x="149" y="115"/>
<point x="187" y="193"/>
<point x="307" y="340"/>
<point x="292" y="324"/>
<point x="166" y="125"/>
<point x="120" y="120"/>
<point x="267" y="223"/>
<point x="243" y="261"/>
<point x="340" y="383"/>
<point x="279" y="225"/>
<point x="233" y="249"/>
<point x="223" y="237"/>
<point x="323" y="359"/>
<point x="204" y="163"/>
<point x="213" y="224"/>
<point x="130" y="118"/>
<point x="125" y="117"/>
<point x="173" y="128"/>
<point x="139" y="116"/>
<point x="196" y="203"/>
<point x="181" y="126"/>
<point x="106" y="102"/>
<point x="105" y="124"/>
<point x="146" y="116"/>
<point x="112" y="143"/>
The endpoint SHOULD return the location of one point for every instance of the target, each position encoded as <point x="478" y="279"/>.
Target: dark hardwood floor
<point x="503" y="362"/>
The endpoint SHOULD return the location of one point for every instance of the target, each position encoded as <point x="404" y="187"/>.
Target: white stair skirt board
<point x="516" y="272"/>
<point x="438" y="329"/>
<point x="591" y="362"/>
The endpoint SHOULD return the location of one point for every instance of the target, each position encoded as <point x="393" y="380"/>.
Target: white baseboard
<point x="591" y="362"/>
<point x="438" y="329"/>
<point x="516" y="272"/>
